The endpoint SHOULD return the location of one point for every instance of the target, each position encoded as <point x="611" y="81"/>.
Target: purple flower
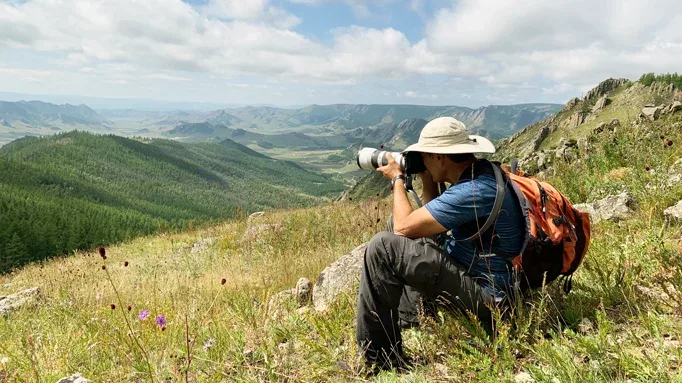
<point x="143" y="314"/>
<point x="161" y="321"/>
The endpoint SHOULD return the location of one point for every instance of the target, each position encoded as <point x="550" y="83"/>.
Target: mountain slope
<point x="77" y="190"/>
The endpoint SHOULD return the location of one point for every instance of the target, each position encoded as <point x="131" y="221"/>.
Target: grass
<point x="223" y="332"/>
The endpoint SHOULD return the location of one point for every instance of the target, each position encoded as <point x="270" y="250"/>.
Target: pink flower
<point x="161" y="321"/>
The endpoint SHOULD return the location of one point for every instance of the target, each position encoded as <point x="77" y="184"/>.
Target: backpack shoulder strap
<point x="497" y="205"/>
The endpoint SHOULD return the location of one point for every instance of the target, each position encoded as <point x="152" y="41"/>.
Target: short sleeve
<point x="462" y="202"/>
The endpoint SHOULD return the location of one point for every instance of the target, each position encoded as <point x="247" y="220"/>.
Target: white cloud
<point x="476" y="46"/>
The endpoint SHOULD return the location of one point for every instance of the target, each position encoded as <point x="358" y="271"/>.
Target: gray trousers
<point x="397" y="271"/>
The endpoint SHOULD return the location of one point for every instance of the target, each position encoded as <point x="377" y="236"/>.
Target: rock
<point x="280" y="303"/>
<point x="202" y="245"/>
<point x="338" y="278"/>
<point x="601" y="104"/>
<point x="542" y="134"/>
<point x="17" y="300"/>
<point x="583" y="145"/>
<point x="651" y="112"/>
<point x="299" y="296"/>
<point x="303" y="291"/>
<point x="600" y="128"/>
<point x="672" y="108"/>
<point x="253" y="233"/>
<point x="612" y="208"/>
<point x="585" y="326"/>
<point x="75" y="378"/>
<point x="577" y="119"/>
<point x="523" y="377"/>
<point x="303" y="310"/>
<point x="604" y="87"/>
<point x="653" y="293"/>
<point x="674" y="212"/>
<point x="255" y="215"/>
<point x="674" y="180"/>
<point x="615" y="122"/>
<point x="571" y="103"/>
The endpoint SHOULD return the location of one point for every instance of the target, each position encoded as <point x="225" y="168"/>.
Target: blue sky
<point x="295" y="52"/>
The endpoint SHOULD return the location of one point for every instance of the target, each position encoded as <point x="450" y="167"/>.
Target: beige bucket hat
<point x="446" y="135"/>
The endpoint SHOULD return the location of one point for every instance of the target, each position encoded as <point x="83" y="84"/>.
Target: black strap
<point x="514" y="165"/>
<point x="497" y="206"/>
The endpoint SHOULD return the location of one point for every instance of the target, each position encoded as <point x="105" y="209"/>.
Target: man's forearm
<point x="429" y="192"/>
<point x="401" y="204"/>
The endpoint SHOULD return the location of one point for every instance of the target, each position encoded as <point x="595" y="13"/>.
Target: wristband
<point x="398" y="177"/>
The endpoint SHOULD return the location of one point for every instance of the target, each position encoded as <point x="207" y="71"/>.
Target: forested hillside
<point x="78" y="190"/>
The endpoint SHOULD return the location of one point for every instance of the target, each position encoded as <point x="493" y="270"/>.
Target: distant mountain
<point x="496" y="122"/>
<point x="77" y="190"/>
<point x="39" y="114"/>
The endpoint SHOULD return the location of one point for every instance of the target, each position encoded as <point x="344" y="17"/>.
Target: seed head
<point x="382" y="146"/>
<point x="113" y="306"/>
<point x="104" y="267"/>
<point x="125" y="264"/>
<point x="670" y="142"/>
<point x="223" y="281"/>
<point x="130" y="307"/>
<point x="647" y="168"/>
<point x="102" y="252"/>
<point x="662" y="137"/>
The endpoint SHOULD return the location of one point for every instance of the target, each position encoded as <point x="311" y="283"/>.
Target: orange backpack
<point x="557" y="235"/>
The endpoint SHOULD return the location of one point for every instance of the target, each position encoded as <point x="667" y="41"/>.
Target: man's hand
<point x="392" y="169"/>
<point x="429" y="187"/>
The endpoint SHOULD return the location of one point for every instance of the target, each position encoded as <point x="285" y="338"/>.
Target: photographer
<point x="402" y="266"/>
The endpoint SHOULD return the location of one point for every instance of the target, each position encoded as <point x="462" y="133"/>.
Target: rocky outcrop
<point x="674" y="212"/>
<point x="601" y="104"/>
<point x="339" y="278"/>
<point x="75" y="378"/>
<point x="571" y="103"/>
<point x="612" y="208"/>
<point x="15" y="301"/>
<point x="605" y="87"/>
<point x="577" y="119"/>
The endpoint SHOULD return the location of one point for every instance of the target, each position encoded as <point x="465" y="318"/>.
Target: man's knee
<point x="378" y="249"/>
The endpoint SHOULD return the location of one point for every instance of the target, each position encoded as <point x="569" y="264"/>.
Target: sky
<point x="299" y="52"/>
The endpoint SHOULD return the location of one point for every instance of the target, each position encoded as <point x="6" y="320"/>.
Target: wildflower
<point x="223" y="281"/>
<point x="102" y="252"/>
<point x="209" y="343"/>
<point x="143" y="314"/>
<point x="4" y="360"/>
<point x="161" y="321"/>
<point x="125" y="264"/>
<point x="113" y="306"/>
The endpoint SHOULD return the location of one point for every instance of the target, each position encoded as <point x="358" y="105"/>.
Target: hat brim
<point x="481" y="145"/>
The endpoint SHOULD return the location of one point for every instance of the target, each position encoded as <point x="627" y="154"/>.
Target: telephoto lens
<point x="371" y="158"/>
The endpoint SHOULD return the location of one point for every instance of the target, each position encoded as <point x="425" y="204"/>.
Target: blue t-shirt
<point x="457" y="210"/>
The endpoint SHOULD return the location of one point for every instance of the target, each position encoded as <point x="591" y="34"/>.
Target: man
<point x="468" y="275"/>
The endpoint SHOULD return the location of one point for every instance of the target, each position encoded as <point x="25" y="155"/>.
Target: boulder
<point x="601" y="104"/>
<point x="614" y="122"/>
<point x="571" y="103"/>
<point x="674" y="212"/>
<point x="651" y="113"/>
<point x="583" y="145"/>
<point x="339" y="278"/>
<point x="17" y="300"/>
<point x="75" y="378"/>
<point x="254" y="216"/>
<point x="612" y="208"/>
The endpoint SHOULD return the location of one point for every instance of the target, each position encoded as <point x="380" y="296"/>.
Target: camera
<point x="371" y="158"/>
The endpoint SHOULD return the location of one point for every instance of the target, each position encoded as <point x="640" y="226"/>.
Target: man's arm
<point x="406" y="221"/>
<point x="429" y="187"/>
